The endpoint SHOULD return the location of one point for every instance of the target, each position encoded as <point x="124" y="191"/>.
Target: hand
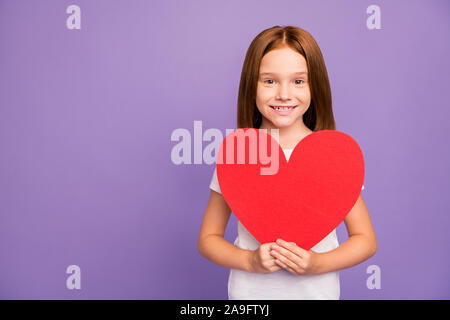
<point x="261" y="261"/>
<point x="294" y="259"/>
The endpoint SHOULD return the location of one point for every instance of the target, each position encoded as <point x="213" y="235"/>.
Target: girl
<point x="284" y="85"/>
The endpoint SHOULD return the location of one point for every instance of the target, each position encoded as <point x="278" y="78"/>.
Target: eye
<point x="265" y="81"/>
<point x="299" y="80"/>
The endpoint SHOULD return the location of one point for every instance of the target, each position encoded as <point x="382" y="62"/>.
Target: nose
<point x="283" y="92"/>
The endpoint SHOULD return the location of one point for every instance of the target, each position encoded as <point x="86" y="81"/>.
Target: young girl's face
<point x="283" y="81"/>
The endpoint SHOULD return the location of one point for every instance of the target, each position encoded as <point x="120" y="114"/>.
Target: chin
<point x="283" y="123"/>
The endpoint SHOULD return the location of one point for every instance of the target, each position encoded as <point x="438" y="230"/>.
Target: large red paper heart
<point x="306" y="199"/>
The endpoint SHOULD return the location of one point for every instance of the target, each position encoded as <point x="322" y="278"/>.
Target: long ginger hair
<point x="319" y="115"/>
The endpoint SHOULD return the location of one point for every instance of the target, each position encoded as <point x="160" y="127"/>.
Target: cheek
<point x="263" y="95"/>
<point x="306" y="94"/>
<point x="304" y="97"/>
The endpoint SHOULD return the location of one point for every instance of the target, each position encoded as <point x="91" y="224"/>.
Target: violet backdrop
<point x="86" y="117"/>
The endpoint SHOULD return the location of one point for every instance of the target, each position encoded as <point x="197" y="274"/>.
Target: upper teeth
<point x="282" y="108"/>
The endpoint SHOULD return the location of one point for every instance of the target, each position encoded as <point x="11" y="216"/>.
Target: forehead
<point x="283" y="61"/>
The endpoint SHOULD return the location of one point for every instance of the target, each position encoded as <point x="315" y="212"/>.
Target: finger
<point x="285" y="260"/>
<point x="272" y="266"/>
<point x="291" y="246"/>
<point x="288" y="254"/>
<point x="276" y="267"/>
<point x="281" y="264"/>
<point x="268" y="244"/>
<point x="272" y="253"/>
<point x="272" y="262"/>
<point x="286" y="267"/>
<point x="297" y="271"/>
<point x="271" y="259"/>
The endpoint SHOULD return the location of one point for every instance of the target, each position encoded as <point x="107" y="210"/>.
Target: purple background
<point x="86" y="117"/>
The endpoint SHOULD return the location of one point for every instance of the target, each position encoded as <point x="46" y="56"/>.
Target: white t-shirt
<point x="280" y="284"/>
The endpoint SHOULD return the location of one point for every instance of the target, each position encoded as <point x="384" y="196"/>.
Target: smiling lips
<point x="283" y="110"/>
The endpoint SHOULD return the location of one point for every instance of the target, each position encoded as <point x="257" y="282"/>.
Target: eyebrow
<point x="274" y="73"/>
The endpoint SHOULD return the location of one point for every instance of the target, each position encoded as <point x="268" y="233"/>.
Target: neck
<point x="288" y="137"/>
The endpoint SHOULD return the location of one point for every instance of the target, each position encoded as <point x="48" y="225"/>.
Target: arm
<point x="211" y="243"/>
<point x="360" y="246"/>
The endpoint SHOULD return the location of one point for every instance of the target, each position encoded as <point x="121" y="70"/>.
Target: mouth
<point x="283" y="110"/>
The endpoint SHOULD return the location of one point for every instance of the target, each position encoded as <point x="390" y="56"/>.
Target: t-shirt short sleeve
<point x="214" y="185"/>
